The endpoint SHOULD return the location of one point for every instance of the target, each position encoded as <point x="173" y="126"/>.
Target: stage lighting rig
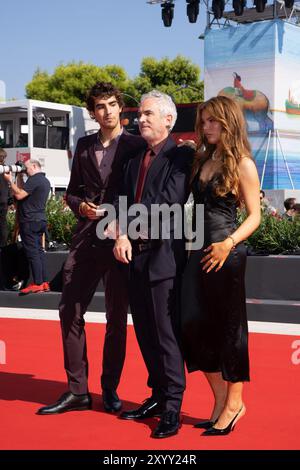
<point x="167" y="13"/>
<point x="218" y="8"/>
<point x="260" y="5"/>
<point x="192" y="10"/>
<point x="238" y="6"/>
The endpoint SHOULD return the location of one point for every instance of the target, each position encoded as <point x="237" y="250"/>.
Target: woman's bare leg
<point x="219" y="388"/>
<point x="233" y="405"/>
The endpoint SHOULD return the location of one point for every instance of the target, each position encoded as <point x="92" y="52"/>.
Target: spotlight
<point x="238" y="6"/>
<point x="218" y="8"/>
<point x="260" y="5"/>
<point x="289" y="3"/>
<point x="167" y="13"/>
<point x="192" y="10"/>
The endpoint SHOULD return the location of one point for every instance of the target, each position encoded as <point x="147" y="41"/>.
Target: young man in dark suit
<point x="158" y="176"/>
<point x="95" y="177"/>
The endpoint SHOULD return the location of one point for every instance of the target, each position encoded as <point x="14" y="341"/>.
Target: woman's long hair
<point x="234" y="142"/>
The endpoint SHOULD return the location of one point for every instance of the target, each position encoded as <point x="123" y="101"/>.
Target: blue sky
<point x="45" y="33"/>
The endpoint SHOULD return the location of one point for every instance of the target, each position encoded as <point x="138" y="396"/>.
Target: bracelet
<point x="233" y="241"/>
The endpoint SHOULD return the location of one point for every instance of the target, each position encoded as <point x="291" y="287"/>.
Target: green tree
<point x="179" y="77"/>
<point x="38" y="88"/>
<point x="69" y="83"/>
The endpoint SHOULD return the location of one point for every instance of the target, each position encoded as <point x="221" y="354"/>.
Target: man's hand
<point x="123" y="249"/>
<point x="8" y="177"/>
<point x="17" y="192"/>
<point x="188" y="143"/>
<point x="90" y="210"/>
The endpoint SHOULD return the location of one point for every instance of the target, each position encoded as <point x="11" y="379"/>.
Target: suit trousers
<point x="84" y="268"/>
<point x="31" y="235"/>
<point x="154" y="307"/>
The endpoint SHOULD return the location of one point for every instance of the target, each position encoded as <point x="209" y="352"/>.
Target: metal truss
<point x="276" y="9"/>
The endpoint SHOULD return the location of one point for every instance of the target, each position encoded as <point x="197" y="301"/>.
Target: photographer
<point x="4" y="202"/>
<point x="31" y="202"/>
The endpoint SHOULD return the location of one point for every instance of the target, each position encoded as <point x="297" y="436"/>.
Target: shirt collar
<point x="112" y="142"/>
<point x="157" y="148"/>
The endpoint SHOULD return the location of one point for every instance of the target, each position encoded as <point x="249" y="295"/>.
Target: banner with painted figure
<point x="258" y="65"/>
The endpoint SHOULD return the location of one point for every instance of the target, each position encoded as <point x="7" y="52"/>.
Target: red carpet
<point x="33" y="376"/>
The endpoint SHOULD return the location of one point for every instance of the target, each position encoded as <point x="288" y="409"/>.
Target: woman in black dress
<point x="214" y="322"/>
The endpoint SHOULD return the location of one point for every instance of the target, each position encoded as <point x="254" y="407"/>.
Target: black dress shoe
<point x="111" y="401"/>
<point x="67" y="402"/>
<point x="168" y="425"/>
<point x="204" y="424"/>
<point x="15" y="287"/>
<point x="148" y="409"/>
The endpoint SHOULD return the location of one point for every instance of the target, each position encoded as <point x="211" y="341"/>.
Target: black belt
<point x="139" y="246"/>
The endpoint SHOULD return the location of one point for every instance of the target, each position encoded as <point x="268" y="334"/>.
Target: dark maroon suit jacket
<point x="86" y="184"/>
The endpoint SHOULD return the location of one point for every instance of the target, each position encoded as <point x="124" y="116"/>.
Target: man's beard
<point x="109" y="126"/>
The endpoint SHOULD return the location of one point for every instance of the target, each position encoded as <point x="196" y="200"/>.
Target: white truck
<point x="44" y="131"/>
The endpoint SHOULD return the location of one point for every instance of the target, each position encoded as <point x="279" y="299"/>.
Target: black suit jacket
<point x="86" y="184"/>
<point x="167" y="182"/>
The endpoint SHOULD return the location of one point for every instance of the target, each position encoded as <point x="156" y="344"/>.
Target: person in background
<point x="262" y="196"/>
<point x="5" y="197"/>
<point x="296" y="213"/>
<point x="265" y="204"/>
<point x="31" y="216"/>
<point x="289" y="204"/>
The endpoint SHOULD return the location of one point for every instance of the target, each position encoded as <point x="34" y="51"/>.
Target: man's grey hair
<point x="32" y="161"/>
<point x="165" y="102"/>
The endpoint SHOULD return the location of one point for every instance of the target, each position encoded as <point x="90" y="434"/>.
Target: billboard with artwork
<point x="258" y="64"/>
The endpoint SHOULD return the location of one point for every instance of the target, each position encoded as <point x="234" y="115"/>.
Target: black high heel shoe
<point x="207" y="424"/>
<point x="223" y="432"/>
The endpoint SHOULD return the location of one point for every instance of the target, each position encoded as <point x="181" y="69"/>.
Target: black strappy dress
<point x="214" y="331"/>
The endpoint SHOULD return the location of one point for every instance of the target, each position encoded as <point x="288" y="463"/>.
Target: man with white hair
<point x="158" y="176"/>
<point x="31" y="216"/>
